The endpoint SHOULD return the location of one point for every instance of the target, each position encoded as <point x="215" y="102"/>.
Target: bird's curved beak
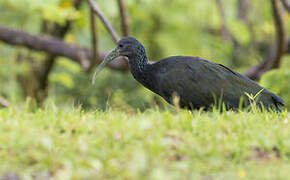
<point x="108" y="58"/>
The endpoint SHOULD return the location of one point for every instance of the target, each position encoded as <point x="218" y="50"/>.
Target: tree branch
<point x="94" y="39"/>
<point x="105" y="21"/>
<point x="56" y="47"/>
<point x="280" y="34"/>
<point x="243" y="10"/>
<point x="286" y="5"/>
<point x="224" y="30"/>
<point x="274" y="58"/>
<point x="58" y="31"/>
<point x="124" y="19"/>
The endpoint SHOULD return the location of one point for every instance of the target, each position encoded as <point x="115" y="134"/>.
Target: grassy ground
<point x="72" y="144"/>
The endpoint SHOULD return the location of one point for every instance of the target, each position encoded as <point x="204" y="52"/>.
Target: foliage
<point x="278" y="81"/>
<point x="112" y="89"/>
<point x="168" y="28"/>
<point x="68" y="143"/>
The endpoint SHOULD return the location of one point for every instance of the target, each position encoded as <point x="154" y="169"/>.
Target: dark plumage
<point x="197" y="82"/>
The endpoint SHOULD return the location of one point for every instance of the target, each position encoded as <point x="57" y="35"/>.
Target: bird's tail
<point x="278" y="102"/>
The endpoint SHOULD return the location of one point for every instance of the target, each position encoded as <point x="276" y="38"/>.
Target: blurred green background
<point x="165" y="27"/>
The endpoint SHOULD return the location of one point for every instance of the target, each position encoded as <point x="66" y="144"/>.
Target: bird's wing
<point x="247" y="86"/>
<point x="202" y="83"/>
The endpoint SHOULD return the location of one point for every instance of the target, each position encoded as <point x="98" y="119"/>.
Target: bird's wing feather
<point x="202" y="82"/>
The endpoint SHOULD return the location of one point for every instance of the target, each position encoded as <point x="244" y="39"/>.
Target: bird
<point x="198" y="83"/>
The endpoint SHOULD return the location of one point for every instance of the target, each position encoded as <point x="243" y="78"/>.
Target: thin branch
<point x="243" y="10"/>
<point x="58" y="31"/>
<point x="280" y="33"/>
<point x="286" y="5"/>
<point x="4" y="102"/>
<point x="225" y="31"/>
<point x="41" y="72"/>
<point x="105" y="21"/>
<point x="124" y="19"/>
<point x="56" y="47"/>
<point x="278" y="50"/>
<point x="94" y="39"/>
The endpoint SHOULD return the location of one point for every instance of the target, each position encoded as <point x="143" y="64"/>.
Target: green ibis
<point x="197" y="83"/>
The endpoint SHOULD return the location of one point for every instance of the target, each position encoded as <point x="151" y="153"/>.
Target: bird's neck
<point x="140" y="69"/>
<point x="138" y="63"/>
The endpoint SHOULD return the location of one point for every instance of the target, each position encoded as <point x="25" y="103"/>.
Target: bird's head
<point x="127" y="46"/>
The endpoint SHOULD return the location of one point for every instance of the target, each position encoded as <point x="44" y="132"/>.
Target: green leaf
<point x="63" y="79"/>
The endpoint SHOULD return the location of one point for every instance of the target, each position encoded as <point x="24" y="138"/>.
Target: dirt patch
<point x="9" y="176"/>
<point x="261" y="154"/>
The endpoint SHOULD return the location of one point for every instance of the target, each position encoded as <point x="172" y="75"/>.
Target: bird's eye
<point x="121" y="45"/>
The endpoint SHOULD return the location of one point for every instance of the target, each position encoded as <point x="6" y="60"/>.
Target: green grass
<point x="65" y="143"/>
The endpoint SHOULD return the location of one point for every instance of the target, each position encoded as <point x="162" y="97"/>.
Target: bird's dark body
<point x="201" y="83"/>
<point x="198" y="83"/>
